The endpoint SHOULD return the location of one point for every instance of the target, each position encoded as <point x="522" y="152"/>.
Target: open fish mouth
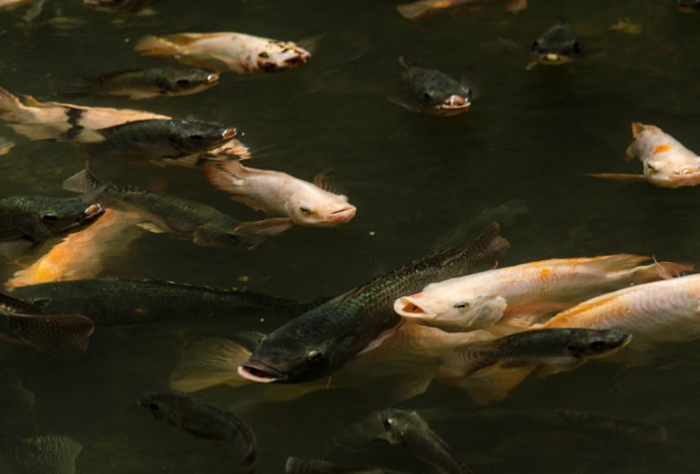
<point x="406" y="307"/>
<point x="342" y="215"/>
<point x="229" y="133"/>
<point x="258" y="372"/>
<point x="298" y="60"/>
<point x="91" y="214"/>
<point x="212" y="79"/>
<point x="553" y="57"/>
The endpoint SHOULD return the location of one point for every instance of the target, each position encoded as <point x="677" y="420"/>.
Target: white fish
<point x="220" y="51"/>
<point x="667" y="163"/>
<point x="280" y="194"/>
<point x="483" y="299"/>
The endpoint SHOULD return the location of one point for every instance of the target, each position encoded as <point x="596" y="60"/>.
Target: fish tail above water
<point x="208" y="363"/>
<point x="59" y="335"/>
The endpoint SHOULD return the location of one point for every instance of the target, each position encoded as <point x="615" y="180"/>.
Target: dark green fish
<point x="322" y="340"/>
<point x="163" y="140"/>
<point x="558" y="45"/>
<point x="28" y="221"/>
<point x="433" y="92"/>
<point x="63" y="335"/>
<point x="688" y="5"/>
<point x="126" y="6"/>
<point x="559" y="349"/>
<point x="316" y="466"/>
<point x="39" y="455"/>
<point x="112" y="301"/>
<point x="138" y="84"/>
<point x="411" y="431"/>
<point x="182" y="218"/>
<point x="204" y="420"/>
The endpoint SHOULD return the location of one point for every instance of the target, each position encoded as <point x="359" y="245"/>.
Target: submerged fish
<point x="433" y="92"/>
<point x="26" y="222"/>
<point x="424" y="8"/>
<point x="204" y="420"/>
<point x="279" y="194"/>
<point x="220" y="51"/>
<point x="487" y="370"/>
<point x="662" y="311"/>
<point x="322" y="340"/>
<point x="688" y="5"/>
<point x="191" y="220"/>
<point x="558" y="45"/>
<point x="64" y="122"/>
<point x="144" y="83"/>
<point x="39" y="455"/>
<point x="112" y="301"/>
<point x="63" y="335"/>
<point x="82" y="254"/>
<point x="128" y="6"/>
<point x="667" y="163"/>
<point x="11" y="4"/>
<point x="411" y="431"/>
<point x="481" y="300"/>
<point x="315" y="466"/>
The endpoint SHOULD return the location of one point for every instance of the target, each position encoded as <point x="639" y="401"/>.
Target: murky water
<point x="518" y="157"/>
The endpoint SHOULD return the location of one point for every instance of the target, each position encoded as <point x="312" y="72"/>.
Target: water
<point x="416" y="180"/>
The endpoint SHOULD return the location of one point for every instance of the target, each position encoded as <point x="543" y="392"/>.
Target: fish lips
<point x="256" y="371"/>
<point x="90" y="215"/>
<point x="407" y="308"/>
<point x="343" y="215"/>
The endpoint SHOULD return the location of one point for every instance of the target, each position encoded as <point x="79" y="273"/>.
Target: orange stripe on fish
<point x="661" y="149"/>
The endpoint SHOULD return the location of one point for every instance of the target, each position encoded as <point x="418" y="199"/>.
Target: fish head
<point x="587" y="343"/>
<point x="442" y="309"/>
<point x="159" y="405"/>
<point x="288" y="357"/>
<point x="667" y="174"/>
<point x="310" y="205"/>
<point x="191" y="137"/>
<point x="688" y="5"/>
<point x="281" y="55"/>
<point x="183" y="81"/>
<point x="48" y="217"/>
<point x="394" y="424"/>
<point x="558" y="45"/>
<point x="438" y="93"/>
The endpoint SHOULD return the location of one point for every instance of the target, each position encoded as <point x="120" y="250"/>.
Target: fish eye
<point x="154" y="407"/>
<point x="388" y="423"/>
<point x="314" y="355"/>
<point x="597" y="345"/>
<point x="263" y="55"/>
<point x="50" y="217"/>
<point x="183" y="82"/>
<point x="535" y="45"/>
<point x="461" y="305"/>
<point x="651" y="167"/>
<point x="305" y="209"/>
<point x="196" y="138"/>
<point x="576" y="47"/>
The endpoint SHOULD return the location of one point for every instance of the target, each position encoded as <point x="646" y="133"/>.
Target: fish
<point x="121" y="6"/>
<point x="280" y="194"/>
<point x="688" y="6"/>
<point x="61" y="335"/>
<point x="321" y="341"/>
<point x="487" y="370"/>
<point x="147" y="83"/>
<point x="222" y="51"/>
<point x="64" y="122"/>
<point x="50" y="454"/>
<point x="410" y="430"/>
<point x="117" y="301"/>
<point x="204" y="420"/>
<point x="665" y="311"/>
<point x="82" y="254"/>
<point x="558" y="45"/>
<point x="667" y="163"/>
<point x="433" y="92"/>
<point x="296" y="465"/>
<point x="181" y="218"/>
<point x="12" y="4"/>
<point x="166" y="141"/>
<point x="497" y="296"/>
<point x="26" y="222"/>
<point x="5" y="146"/>
<point x="422" y="9"/>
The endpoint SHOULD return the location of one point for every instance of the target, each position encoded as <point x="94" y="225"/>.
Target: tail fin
<point x="58" y="334"/>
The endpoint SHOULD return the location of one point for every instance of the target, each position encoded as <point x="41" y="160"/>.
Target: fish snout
<point x="256" y="371"/>
<point x="212" y="78"/>
<point x="456" y="101"/>
<point x="92" y="213"/>
<point x="229" y="133"/>
<point x="342" y="215"/>
<point x="299" y="58"/>
<point x="408" y="307"/>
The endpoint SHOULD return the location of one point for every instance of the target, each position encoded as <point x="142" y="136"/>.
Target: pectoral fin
<point x="271" y="226"/>
<point x="208" y="363"/>
<point x="59" y="335"/>
<point x="490" y="384"/>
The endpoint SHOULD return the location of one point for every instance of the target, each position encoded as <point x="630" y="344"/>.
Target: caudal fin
<point x="58" y="334"/>
<point x="208" y="363"/>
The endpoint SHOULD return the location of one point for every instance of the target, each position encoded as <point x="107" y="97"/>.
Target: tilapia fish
<point x="411" y="431"/>
<point x="558" y="45"/>
<point x="316" y="466"/>
<point x="487" y="370"/>
<point x="667" y="163"/>
<point x="204" y="420"/>
<point x="127" y="6"/>
<point x="424" y="8"/>
<point x="322" y="340"/>
<point x="688" y="5"/>
<point x="433" y="92"/>
<point x="202" y="224"/>
<point x="112" y="301"/>
<point x="221" y="51"/>
<point x="82" y="254"/>
<point x="547" y="286"/>
<point x="63" y="335"/>
<point x="279" y="194"/>
<point x="143" y="83"/>
<point x="26" y="222"/>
